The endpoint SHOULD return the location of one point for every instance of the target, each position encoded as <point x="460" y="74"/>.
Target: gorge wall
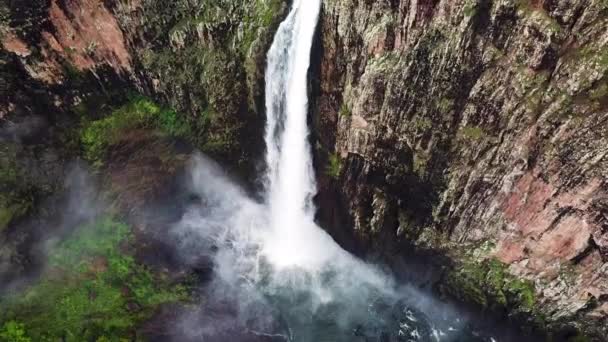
<point x="478" y="129"/>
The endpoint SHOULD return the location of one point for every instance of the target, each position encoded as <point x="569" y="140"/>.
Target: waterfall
<point x="272" y="264"/>
<point x="290" y="180"/>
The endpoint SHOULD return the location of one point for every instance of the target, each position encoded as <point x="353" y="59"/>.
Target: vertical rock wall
<point x="476" y="129"/>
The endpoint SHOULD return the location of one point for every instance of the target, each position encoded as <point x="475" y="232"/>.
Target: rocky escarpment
<point x="68" y="66"/>
<point x="205" y="60"/>
<point x="132" y="88"/>
<point x="477" y="129"/>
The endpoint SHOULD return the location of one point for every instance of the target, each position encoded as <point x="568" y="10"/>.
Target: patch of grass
<point x="334" y="166"/>
<point x="421" y="160"/>
<point x="345" y="111"/>
<point x="139" y="113"/>
<point x="599" y="93"/>
<point x="445" y="105"/>
<point x="470" y="10"/>
<point x="422" y="124"/>
<point x="472" y="133"/>
<point x="92" y="290"/>
<point x="489" y="285"/>
<point x="13" y="331"/>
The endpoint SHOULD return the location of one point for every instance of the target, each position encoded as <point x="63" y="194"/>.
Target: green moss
<point x="139" y="113"/>
<point x="345" y="111"/>
<point x="93" y="289"/>
<point x="13" y="331"/>
<point x="599" y="93"/>
<point x="489" y="285"/>
<point x="264" y="15"/>
<point x="422" y="124"/>
<point x="445" y="105"/>
<point x="334" y="166"/>
<point x="472" y="133"/>
<point x="470" y="9"/>
<point x="421" y="160"/>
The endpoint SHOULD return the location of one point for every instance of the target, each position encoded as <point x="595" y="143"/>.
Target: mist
<point x="251" y="291"/>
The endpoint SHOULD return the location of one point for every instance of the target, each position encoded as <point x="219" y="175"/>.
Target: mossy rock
<point x="93" y="290"/>
<point x="489" y="285"/>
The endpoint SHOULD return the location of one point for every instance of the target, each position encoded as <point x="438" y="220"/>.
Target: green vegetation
<point x="92" y="291"/>
<point x="599" y="93"/>
<point x="470" y="9"/>
<point x="334" y="166"/>
<point x="422" y="124"/>
<point x="421" y="160"/>
<point x="139" y="113"/>
<point x="345" y="111"/>
<point x="579" y="338"/>
<point x="471" y="133"/>
<point x="445" y="105"/>
<point x="489" y="285"/>
<point x="13" y="331"/>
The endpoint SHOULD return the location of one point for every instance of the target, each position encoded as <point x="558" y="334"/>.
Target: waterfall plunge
<point x="294" y="239"/>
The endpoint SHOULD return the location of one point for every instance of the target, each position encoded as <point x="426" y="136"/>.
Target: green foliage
<point x="470" y="9"/>
<point x="421" y="160"/>
<point x="139" y="113"/>
<point x="445" y="105"/>
<point x="334" y="166"/>
<point x="488" y="284"/>
<point x="13" y="331"/>
<point x="422" y="124"/>
<point x="599" y="93"/>
<point x="93" y="290"/>
<point x="345" y="111"/>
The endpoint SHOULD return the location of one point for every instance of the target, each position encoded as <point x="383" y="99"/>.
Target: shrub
<point x="92" y="290"/>
<point x="334" y="166"/>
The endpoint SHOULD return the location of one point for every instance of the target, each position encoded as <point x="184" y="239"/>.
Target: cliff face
<point x="478" y="129"/>
<point x="66" y="63"/>
<point x="203" y="59"/>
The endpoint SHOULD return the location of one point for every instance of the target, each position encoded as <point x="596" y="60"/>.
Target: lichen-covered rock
<point x="464" y="122"/>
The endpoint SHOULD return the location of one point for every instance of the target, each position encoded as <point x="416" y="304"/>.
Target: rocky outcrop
<point x="203" y="59"/>
<point x="477" y="129"/>
<point x="67" y="63"/>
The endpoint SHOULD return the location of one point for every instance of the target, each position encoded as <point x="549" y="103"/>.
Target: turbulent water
<point x="277" y="276"/>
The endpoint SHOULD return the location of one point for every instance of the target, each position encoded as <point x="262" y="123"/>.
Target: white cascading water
<point x="290" y="182"/>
